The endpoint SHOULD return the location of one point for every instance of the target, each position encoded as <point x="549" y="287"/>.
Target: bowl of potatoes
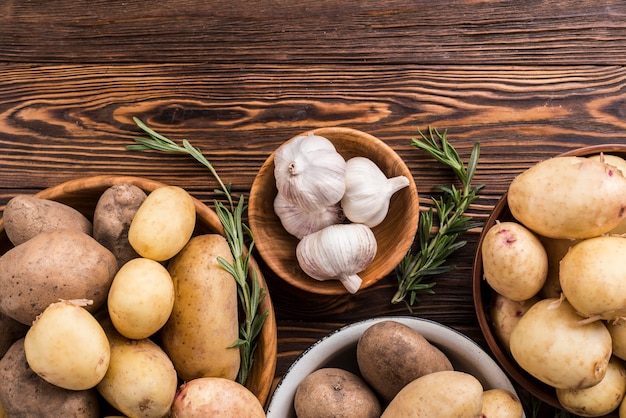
<point x="548" y="281"/>
<point x="113" y="278"/>
<point x="381" y="366"/>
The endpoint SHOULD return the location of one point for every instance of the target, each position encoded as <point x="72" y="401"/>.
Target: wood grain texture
<point x="528" y="79"/>
<point x="328" y="32"/>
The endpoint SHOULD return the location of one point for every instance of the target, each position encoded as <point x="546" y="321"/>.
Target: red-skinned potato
<point x="213" y="397"/>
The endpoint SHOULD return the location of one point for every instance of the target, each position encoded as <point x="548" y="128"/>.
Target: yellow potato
<point x="442" y="394"/>
<point x="163" y="223"/>
<point x="66" y="346"/>
<point x="500" y="403"/>
<point x="515" y="264"/>
<point x="203" y="325"/>
<point x="600" y="399"/>
<point x="552" y="344"/>
<point x="617" y="329"/>
<point x="141" y="298"/>
<point x="505" y="314"/>
<point x="592" y="277"/>
<point x="141" y="380"/>
<point x="215" y="397"/>
<point x="556" y="250"/>
<point x="569" y="197"/>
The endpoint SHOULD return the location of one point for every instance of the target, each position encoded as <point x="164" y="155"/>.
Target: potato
<point x="617" y="329"/>
<point x="442" y="394"/>
<point x="333" y="392"/>
<point x="203" y="325"/>
<point x="551" y="343"/>
<point x="213" y="397"/>
<point x="569" y="197"/>
<point x="10" y="331"/>
<point x="505" y="314"/>
<point x="600" y="399"/>
<point x="54" y="265"/>
<point x="592" y="276"/>
<point x="141" y="298"/>
<point x="500" y="403"/>
<point x="163" y="223"/>
<point x="515" y="264"/>
<point x="556" y="250"/>
<point x="67" y="347"/>
<point x="390" y="355"/>
<point x="620" y="164"/>
<point x="26" y="216"/>
<point x="141" y="380"/>
<point x="28" y="395"/>
<point x="112" y="217"/>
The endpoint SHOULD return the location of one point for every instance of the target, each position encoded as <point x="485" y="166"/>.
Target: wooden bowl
<point x="82" y="194"/>
<point x="483" y="293"/>
<point x="394" y="235"/>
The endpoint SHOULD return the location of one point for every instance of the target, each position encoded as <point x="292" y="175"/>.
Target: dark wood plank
<point x="567" y="32"/>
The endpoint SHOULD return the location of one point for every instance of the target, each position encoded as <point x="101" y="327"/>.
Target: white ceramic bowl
<point x="338" y="349"/>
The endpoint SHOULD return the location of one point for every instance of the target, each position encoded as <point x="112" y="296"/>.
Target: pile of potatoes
<point x="400" y="374"/>
<point x="557" y="269"/>
<point x="128" y="314"/>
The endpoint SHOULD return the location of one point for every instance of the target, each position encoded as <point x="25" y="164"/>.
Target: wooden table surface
<point x="236" y="78"/>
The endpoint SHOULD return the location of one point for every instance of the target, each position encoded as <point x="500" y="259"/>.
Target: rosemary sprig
<point x="448" y="211"/>
<point x="250" y="296"/>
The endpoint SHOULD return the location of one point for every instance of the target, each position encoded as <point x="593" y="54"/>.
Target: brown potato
<point x="54" y="265"/>
<point x="10" y="331"/>
<point x="112" y="217"/>
<point x="333" y="392"/>
<point x="28" y="395"/>
<point x="203" y="326"/>
<point x="556" y="250"/>
<point x="391" y="354"/>
<point x="26" y="216"/>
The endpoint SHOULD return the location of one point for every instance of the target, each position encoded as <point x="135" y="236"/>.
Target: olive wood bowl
<point x="483" y="293"/>
<point x="83" y="194"/>
<point x="394" y="235"/>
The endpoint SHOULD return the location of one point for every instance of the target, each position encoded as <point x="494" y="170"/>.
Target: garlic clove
<point x="368" y="191"/>
<point x="309" y="172"/>
<point x="299" y="222"/>
<point x="338" y="252"/>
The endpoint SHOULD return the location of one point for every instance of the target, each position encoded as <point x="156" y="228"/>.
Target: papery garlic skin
<point x="338" y="252"/>
<point x="299" y="222"/>
<point x="309" y="172"/>
<point x="368" y="191"/>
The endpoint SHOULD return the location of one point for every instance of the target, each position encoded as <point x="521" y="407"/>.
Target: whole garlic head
<point x="368" y="191"/>
<point x="299" y="222"/>
<point x="309" y="172"/>
<point x="338" y="252"/>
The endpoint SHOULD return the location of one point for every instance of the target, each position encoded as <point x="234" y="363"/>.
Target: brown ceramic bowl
<point x="394" y="235"/>
<point x="83" y="194"/>
<point x="483" y="293"/>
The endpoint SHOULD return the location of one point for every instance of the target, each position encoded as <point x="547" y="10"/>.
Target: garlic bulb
<point x="310" y="172"/>
<point x="299" y="222"/>
<point x="368" y="191"/>
<point x="338" y="252"/>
